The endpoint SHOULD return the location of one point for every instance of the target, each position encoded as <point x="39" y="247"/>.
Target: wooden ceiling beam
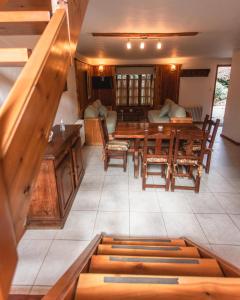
<point x="14" y="57"/>
<point x="23" y="22"/>
<point x="143" y="35"/>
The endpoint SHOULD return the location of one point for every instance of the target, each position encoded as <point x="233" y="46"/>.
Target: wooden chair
<point x="211" y="128"/>
<point x="187" y="162"/>
<point x="205" y="122"/>
<point x="157" y="150"/>
<point x="116" y="149"/>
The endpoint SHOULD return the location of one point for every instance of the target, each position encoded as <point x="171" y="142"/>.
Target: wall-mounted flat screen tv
<point x="102" y="82"/>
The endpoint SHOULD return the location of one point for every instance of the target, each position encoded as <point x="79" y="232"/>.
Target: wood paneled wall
<point x="107" y="96"/>
<point x="82" y="69"/>
<point x="166" y="83"/>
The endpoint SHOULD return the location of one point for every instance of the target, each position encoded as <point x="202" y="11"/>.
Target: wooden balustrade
<point x="25" y="122"/>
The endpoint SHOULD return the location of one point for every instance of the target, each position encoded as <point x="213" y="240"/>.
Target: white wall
<point x="231" y="127"/>
<point x="198" y="91"/>
<point x="68" y="106"/>
<point x="8" y="76"/>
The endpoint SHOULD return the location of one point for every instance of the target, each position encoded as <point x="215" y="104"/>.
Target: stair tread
<point x="146" y="250"/>
<point x="155" y="265"/>
<point x="143" y="241"/>
<point x="129" y="287"/>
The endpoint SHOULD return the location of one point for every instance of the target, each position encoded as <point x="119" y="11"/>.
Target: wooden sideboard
<point x="60" y="175"/>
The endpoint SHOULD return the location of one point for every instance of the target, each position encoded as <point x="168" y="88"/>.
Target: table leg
<point x="136" y="157"/>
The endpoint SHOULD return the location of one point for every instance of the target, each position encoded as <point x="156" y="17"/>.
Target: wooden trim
<point x="228" y="269"/>
<point x="230" y="140"/>
<point x="61" y="289"/>
<point x="23" y="22"/>
<point x="13" y="57"/>
<point x="142" y="35"/>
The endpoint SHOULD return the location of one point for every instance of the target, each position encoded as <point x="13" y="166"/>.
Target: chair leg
<point x="168" y="178"/>
<point x="172" y="183"/>
<point x="106" y="159"/>
<point x="144" y="175"/>
<point x="125" y="161"/>
<point x="209" y="156"/>
<point x="197" y="184"/>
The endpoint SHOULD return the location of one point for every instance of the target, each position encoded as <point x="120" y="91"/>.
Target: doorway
<point x="221" y="92"/>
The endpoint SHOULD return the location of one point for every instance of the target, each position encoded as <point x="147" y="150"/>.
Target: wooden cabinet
<point x="60" y="175"/>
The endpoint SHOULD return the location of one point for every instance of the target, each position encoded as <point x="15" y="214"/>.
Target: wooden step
<point x="139" y="250"/>
<point x="130" y="287"/>
<point x="144" y="241"/>
<point x="155" y="266"/>
<point x="13" y="57"/>
<point x="23" y="22"/>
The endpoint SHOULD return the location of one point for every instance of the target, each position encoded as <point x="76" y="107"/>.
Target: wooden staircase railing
<point x="25" y="122"/>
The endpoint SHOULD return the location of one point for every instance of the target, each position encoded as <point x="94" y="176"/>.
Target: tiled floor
<point x="114" y="203"/>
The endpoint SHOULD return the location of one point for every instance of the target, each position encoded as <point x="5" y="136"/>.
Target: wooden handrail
<point x="65" y="286"/>
<point x="26" y="119"/>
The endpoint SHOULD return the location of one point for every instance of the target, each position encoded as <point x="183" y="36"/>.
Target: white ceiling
<point x="217" y="21"/>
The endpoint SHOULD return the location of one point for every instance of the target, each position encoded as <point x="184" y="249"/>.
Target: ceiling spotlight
<point x="159" y="45"/>
<point x="129" y="45"/>
<point x="142" y="45"/>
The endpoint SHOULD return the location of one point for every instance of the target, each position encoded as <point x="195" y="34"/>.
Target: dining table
<point x="135" y="131"/>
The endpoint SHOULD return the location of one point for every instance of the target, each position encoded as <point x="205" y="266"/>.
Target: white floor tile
<point x="116" y="183"/>
<point x="184" y="225"/>
<point x="230" y="202"/>
<point x="204" y="203"/>
<point x="87" y="200"/>
<point x="144" y="201"/>
<point x="112" y="223"/>
<point x="114" y="201"/>
<point x="229" y="253"/>
<point x="31" y="256"/>
<point x="219" y="229"/>
<point x="39" y="234"/>
<point x="59" y="258"/>
<point x="79" y="226"/>
<point x="174" y="202"/>
<point x="147" y="224"/>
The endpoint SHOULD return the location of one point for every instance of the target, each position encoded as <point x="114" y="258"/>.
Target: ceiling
<point x="217" y="21"/>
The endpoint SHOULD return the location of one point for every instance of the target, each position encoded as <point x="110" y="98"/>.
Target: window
<point x="134" y="89"/>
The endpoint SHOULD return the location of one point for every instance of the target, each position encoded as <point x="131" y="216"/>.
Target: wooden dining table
<point x="136" y="132"/>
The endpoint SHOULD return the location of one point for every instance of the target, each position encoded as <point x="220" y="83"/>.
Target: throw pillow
<point x="91" y="112"/>
<point x="164" y="110"/>
<point x="103" y="111"/>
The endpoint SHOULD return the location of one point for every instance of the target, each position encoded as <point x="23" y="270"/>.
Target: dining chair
<point x="116" y="149"/>
<point x="157" y="150"/>
<point x="205" y="122"/>
<point x="187" y="163"/>
<point x="211" y="129"/>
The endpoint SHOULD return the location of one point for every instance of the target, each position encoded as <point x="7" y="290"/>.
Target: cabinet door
<point x="78" y="161"/>
<point x="65" y="181"/>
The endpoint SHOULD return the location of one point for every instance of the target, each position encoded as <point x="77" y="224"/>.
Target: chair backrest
<point x="103" y="131"/>
<point x="190" y="145"/>
<point x="206" y="119"/>
<point x="212" y="128"/>
<point x="158" y="145"/>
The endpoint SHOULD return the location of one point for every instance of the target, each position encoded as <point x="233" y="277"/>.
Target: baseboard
<point x="230" y="140"/>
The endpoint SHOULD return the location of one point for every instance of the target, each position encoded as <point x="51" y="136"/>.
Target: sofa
<point x="92" y="114"/>
<point x="169" y="110"/>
